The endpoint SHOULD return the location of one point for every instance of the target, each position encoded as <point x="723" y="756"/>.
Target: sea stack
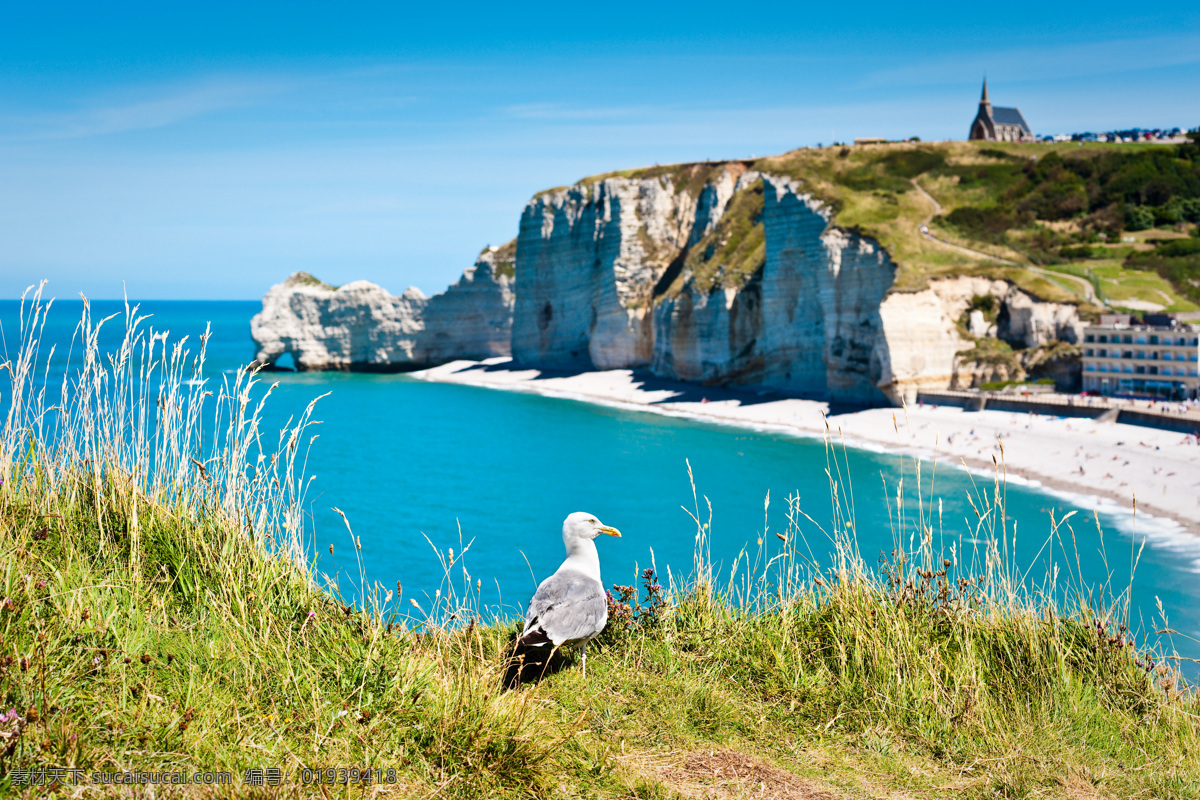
<point x="362" y="327"/>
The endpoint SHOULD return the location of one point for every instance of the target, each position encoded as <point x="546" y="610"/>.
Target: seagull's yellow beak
<point x="611" y="531"/>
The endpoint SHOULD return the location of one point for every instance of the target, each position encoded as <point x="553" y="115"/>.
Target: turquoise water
<point x="406" y="459"/>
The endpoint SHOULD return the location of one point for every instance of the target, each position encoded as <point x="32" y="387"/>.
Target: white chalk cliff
<point x="634" y="273"/>
<point x="706" y="272"/>
<point x="360" y="326"/>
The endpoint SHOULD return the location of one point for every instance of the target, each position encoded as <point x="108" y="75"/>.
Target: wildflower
<point x="7" y="604"/>
<point x="312" y="617"/>
<point x="42" y="584"/>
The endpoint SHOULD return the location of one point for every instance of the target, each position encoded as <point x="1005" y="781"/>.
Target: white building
<point x="1158" y="358"/>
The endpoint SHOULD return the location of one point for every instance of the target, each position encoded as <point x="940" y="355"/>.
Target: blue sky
<point x="209" y="151"/>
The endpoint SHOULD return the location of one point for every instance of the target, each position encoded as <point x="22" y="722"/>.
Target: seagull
<point x="570" y="607"/>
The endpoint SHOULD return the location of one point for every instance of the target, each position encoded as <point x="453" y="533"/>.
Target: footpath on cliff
<point x="1115" y="467"/>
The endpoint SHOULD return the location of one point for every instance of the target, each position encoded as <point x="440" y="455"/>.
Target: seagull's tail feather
<point x="532" y="656"/>
<point x="534" y="637"/>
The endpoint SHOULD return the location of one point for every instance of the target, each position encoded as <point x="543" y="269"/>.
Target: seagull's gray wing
<point x="568" y="607"/>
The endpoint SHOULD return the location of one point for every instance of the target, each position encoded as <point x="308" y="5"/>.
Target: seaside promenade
<point x="1183" y="417"/>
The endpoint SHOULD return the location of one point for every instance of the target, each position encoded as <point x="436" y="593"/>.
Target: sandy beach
<point x="1105" y="464"/>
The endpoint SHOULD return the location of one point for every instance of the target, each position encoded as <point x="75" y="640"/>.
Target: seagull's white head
<point x="581" y="527"/>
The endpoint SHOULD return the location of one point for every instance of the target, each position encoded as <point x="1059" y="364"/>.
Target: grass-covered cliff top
<point x="1078" y="223"/>
<point x="503" y="257"/>
<point x="159" y="612"/>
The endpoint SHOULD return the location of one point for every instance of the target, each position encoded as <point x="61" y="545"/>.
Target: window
<point x="1128" y="340"/>
<point x="1103" y="338"/>
<point x="1165" y="371"/>
<point x="1153" y="340"/>
<point x="1089" y="338"/>
<point x="1139" y="370"/>
<point x="1091" y="367"/>
<point x="1087" y="352"/>
<point x="1141" y="353"/>
<point x="1166" y="356"/>
<point x="1128" y="354"/>
<point x="1141" y="339"/>
<point x="1153" y="370"/>
<point x="1103" y="368"/>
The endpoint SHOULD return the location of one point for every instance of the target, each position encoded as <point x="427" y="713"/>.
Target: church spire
<point x="984" y="99"/>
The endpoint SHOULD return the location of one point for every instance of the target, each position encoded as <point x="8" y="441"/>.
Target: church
<point x="999" y="124"/>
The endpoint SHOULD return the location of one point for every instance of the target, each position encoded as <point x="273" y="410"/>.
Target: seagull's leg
<point x="585" y="659"/>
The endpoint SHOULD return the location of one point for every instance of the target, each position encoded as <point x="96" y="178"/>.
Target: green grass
<point x="1119" y="283"/>
<point x="305" y="279"/>
<point x="1020" y="202"/>
<point x="505" y="259"/>
<point x="735" y="249"/>
<point x="167" y="620"/>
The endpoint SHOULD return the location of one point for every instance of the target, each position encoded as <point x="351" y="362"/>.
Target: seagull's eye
<point x="595" y="522"/>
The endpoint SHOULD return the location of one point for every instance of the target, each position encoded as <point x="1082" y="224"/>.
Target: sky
<point x="207" y="151"/>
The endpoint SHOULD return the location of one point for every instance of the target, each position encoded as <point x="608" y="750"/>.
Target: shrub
<point x="1059" y="199"/>
<point x="1138" y="218"/>
<point x="1078" y="251"/>
<point x="911" y="163"/>
<point x="986" y="223"/>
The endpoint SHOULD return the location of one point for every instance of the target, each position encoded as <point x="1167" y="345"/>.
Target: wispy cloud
<point x="1056" y="61"/>
<point x="167" y="107"/>
<point x="560" y="112"/>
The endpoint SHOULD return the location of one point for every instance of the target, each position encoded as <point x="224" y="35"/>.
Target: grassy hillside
<point x="159" y="612"/>
<point x="1068" y="222"/>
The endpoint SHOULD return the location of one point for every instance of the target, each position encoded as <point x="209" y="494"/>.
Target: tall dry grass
<point x="160" y="610"/>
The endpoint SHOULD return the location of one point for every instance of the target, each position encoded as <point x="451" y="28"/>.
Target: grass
<point x="505" y="258"/>
<point x="735" y="249"/>
<point x="1023" y="203"/>
<point x="159" y="611"/>
<point x="1119" y="283"/>
<point x="305" y="279"/>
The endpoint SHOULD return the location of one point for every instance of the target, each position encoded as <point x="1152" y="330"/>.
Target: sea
<point x="420" y="468"/>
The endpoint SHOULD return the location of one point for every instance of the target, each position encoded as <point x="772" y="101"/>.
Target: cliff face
<point x="705" y="272"/>
<point x="742" y="280"/>
<point x="589" y="259"/>
<point x="805" y="320"/>
<point x="360" y="326"/>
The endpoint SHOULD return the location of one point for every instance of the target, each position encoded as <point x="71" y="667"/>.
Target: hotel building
<point x="1159" y="357"/>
